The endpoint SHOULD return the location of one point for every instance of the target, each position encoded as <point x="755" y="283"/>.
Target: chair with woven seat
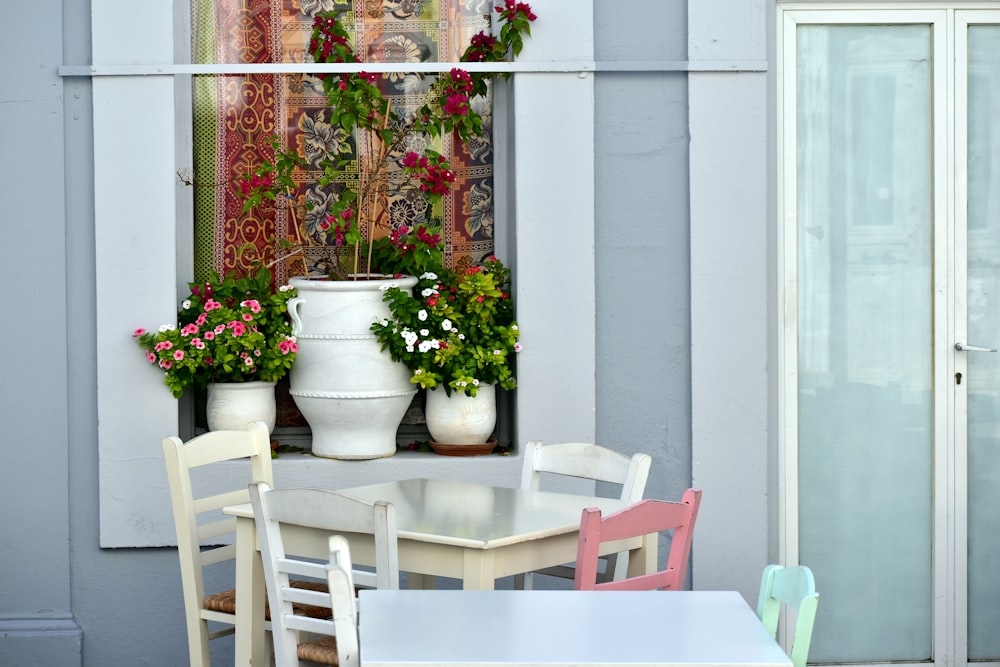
<point x="590" y="462"/>
<point x="278" y="510"/>
<point x="204" y="535"/>
<point x="642" y="518"/>
<point x="791" y="587"/>
<point x="332" y="641"/>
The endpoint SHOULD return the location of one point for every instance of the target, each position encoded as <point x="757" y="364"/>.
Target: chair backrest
<point x="586" y="461"/>
<point x="198" y="519"/>
<point x="327" y="511"/>
<point x="795" y="588"/>
<point x="642" y="518"/>
<point x="331" y="512"/>
<point x="287" y="623"/>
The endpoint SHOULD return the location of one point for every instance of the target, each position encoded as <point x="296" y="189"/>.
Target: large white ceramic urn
<point x="351" y="392"/>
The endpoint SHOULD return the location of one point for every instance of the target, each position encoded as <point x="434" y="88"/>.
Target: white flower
<point x="461" y="336"/>
<point x="425" y="333"/>
<point x="285" y="288"/>
<point x="497" y="352"/>
<point x="446" y="325"/>
<point x="409" y="348"/>
<point x="428" y="291"/>
<point x="430" y="275"/>
<point x="167" y="327"/>
<point x="419" y="371"/>
<point x="425" y="346"/>
<point x="185" y="304"/>
<point x="514" y="327"/>
<point x="387" y="286"/>
<point x="475" y="382"/>
<point x="517" y="347"/>
<point x="422" y="315"/>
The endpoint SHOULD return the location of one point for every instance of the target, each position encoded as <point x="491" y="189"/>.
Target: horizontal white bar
<point x="510" y="67"/>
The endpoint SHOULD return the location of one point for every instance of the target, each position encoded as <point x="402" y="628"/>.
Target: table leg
<point x="419" y="581"/>
<point x="251" y="644"/>
<point x="643" y="559"/>
<point x="479" y="571"/>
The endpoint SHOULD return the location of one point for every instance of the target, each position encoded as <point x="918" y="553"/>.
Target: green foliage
<point x="357" y="111"/>
<point x="232" y="329"/>
<point x="457" y="329"/>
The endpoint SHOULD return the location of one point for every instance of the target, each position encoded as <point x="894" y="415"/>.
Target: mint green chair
<point x="795" y="588"/>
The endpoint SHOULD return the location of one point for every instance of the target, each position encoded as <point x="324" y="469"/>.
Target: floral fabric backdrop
<point x="235" y="118"/>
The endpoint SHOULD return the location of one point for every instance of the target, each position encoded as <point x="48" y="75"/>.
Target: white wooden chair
<point x="332" y="641"/>
<point x="201" y="527"/>
<point x="205" y="536"/>
<point x="276" y="510"/>
<point x="585" y="461"/>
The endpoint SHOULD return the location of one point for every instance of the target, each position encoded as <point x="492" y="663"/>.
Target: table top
<point x="409" y="628"/>
<point x="472" y="515"/>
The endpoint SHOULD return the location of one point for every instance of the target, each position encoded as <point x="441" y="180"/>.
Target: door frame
<point x="949" y="564"/>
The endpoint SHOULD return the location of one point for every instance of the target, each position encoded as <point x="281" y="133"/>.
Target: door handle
<point x="962" y="347"/>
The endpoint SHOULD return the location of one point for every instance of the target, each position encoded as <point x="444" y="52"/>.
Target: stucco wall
<point x="58" y="589"/>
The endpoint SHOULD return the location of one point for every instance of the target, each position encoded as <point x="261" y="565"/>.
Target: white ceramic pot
<point x="351" y="392"/>
<point x="233" y="405"/>
<point x="460" y="419"/>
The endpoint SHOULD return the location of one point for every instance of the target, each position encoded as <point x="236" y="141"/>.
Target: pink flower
<point x="248" y="361"/>
<point x="197" y="342"/>
<point x="201" y="320"/>
<point x="211" y="305"/>
<point x="166" y="364"/>
<point x="209" y="335"/>
<point x="189" y="330"/>
<point x="138" y="332"/>
<point x="178" y="355"/>
<point x="163" y="345"/>
<point x="238" y="328"/>
<point x="150" y="357"/>
<point x="252" y="304"/>
<point x="247" y="317"/>
<point x="219" y="329"/>
<point x="456" y="105"/>
<point x="288" y="346"/>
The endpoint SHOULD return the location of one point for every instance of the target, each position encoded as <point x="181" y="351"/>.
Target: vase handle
<point x="293" y="312"/>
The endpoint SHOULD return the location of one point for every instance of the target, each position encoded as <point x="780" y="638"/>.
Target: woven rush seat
<point x="225" y="601"/>
<point x="322" y="650"/>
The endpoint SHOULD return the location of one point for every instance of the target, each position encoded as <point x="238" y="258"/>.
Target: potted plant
<point x="233" y="337"/>
<point x="359" y="168"/>
<point x="457" y="336"/>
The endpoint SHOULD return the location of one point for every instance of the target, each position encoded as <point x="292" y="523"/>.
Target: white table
<point x="473" y="532"/>
<point x="427" y="628"/>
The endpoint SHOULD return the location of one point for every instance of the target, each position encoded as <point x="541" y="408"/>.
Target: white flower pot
<point x="233" y="405"/>
<point x="459" y="419"/>
<point x="352" y="393"/>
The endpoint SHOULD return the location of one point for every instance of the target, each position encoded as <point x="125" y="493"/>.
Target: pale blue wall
<point x="58" y="590"/>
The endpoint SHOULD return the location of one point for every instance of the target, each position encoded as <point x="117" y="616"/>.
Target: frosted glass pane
<point x="864" y="321"/>
<point x="983" y="382"/>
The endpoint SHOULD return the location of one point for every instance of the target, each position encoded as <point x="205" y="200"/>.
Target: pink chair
<point x="643" y="518"/>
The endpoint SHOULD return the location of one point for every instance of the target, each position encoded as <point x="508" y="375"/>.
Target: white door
<point x="889" y="125"/>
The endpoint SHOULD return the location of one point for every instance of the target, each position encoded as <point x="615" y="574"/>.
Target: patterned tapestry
<point x="236" y="117"/>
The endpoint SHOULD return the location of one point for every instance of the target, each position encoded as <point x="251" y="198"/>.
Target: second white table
<point x="427" y="628"/>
